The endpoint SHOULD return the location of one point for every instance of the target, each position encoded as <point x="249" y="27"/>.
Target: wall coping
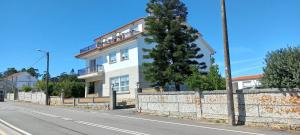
<point x="247" y="91"/>
<point x="169" y="93"/>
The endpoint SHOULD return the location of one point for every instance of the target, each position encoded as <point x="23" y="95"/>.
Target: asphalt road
<point x="44" y="120"/>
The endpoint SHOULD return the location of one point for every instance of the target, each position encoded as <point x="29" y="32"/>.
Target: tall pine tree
<point x="174" y="53"/>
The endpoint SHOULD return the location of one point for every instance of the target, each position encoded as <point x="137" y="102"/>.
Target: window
<point x="115" y="82"/>
<point x="91" y="88"/>
<point x="124" y="85"/>
<point x="124" y="54"/>
<point x="120" y="84"/>
<point x="113" y="57"/>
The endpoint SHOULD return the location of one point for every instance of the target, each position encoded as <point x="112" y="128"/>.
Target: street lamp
<point x="47" y="76"/>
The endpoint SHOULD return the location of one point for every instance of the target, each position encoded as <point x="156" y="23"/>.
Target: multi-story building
<point x="115" y="60"/>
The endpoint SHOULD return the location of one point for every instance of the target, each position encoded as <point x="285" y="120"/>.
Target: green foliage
<point x="209" y="81"/>
<point x="175" y="52"/>
<point x="282" y="68"/>
<point x="65" y="83"/>
<point x="26" y="88"/>
<point x="32" y="71"/>
<point x="9" y="72"/>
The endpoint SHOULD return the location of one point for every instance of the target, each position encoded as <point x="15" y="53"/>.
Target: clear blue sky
<point x="65" y="26"/>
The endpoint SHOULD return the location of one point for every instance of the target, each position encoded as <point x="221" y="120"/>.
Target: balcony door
<point x="92" y="65"/>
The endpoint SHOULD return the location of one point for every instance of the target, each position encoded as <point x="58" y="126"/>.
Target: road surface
<point x="44" y="120"/>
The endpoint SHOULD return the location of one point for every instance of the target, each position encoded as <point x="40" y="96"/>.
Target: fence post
<point x="113" y="100"/>
<point x="74" y="104"/>
<point x="93" y="99"/>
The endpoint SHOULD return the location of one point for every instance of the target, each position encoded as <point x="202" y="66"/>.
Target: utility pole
<point x="47" y="80"/>
<point x="47" y="76"/>
<point x="230" y="105"/>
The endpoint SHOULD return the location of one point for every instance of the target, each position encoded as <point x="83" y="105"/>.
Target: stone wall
<point x="33" y="97"/>
<point x="262" y="107"/>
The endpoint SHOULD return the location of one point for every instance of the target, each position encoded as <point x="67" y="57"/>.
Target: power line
<point x="37" y="60"/>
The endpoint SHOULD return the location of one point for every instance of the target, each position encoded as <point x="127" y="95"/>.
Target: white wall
<point x="248" y="83"/>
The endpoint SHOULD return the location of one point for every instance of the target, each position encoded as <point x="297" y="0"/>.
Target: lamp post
<point x="47" y="76"/>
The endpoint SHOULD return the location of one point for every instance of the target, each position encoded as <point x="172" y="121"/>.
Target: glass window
<point x="124" y="85"/>
<point x="120" y="84"/>
<point x="115" y="82"/>
<point x="124" y="54"/>
<point x="113" y="57"/>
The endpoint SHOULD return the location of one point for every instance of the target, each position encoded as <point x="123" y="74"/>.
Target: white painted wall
<point x="248" y="84"/>
<point x="103" y="57"/>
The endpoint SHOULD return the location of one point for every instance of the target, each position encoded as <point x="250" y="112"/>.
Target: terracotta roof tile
<point x="250" y="77"/>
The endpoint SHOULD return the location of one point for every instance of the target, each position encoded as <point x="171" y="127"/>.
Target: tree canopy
<point x="206" y="81"/>
<point x="65" y="83"/>
<point x="10" y="71"/>
<point x="175" y="52"/>
<point x="282" y="68"/>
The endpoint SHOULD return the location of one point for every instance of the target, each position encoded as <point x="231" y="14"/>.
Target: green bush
<point x="26" y="88"/>
<point x="282" y="68"/>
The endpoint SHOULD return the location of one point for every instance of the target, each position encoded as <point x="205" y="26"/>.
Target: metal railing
<point x="88" y="70"/>
<point x="115" y="39"/>
<point x="88" y="48"/>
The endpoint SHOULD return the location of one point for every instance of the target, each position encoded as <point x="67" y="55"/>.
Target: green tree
<point x="174" y="52"/>
<point x="282" y="68"/>
<point x="65" y="83"/>
<point x="206" y="81"/>
<point x="9" y="72"/>
<point x="32" y="71"/>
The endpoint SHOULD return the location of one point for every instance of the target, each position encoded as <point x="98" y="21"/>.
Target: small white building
<point x="115" y="61"/>
<point x="22" y="79"/>
<point x="247" y="82"/>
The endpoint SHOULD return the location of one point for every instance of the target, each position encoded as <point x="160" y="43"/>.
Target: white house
<point x="247" y="82"/>
<point x="115" y="60"/>
<point x="22" y="79"/>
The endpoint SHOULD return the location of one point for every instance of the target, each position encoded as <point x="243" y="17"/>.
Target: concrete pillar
<point x="87" y="84"/>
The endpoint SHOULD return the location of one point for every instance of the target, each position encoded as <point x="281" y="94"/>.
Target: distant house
<point x="247" y="82"/>
<point x="22" y="79"/>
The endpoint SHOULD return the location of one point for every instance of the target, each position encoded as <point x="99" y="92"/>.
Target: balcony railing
<point x="88" y="70"/>
<point x="88" y="48"/>
<point x="115" y="39"/>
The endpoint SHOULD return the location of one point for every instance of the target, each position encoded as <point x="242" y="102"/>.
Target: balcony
<point x="115" y="39"/>
<point x="88" y="72"/>
<point x="88" y="48"/>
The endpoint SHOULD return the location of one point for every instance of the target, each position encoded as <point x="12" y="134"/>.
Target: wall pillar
<point x="87" y="84"/>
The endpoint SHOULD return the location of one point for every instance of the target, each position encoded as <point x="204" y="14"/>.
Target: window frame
<point x="122" y="52"/>
<point x="119" y="88"/>
<point x="110" y="56"/>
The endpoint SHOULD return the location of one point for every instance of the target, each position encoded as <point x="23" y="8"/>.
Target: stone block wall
<point x="33" y="97"/>
<point x="257" y="106"/>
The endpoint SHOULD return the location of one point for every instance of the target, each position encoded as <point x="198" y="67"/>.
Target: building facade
<point x="247" y="82"/>
<point x="114" y="61"/>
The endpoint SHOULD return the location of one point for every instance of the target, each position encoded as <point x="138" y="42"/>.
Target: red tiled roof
<point x="250" y="77"/>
